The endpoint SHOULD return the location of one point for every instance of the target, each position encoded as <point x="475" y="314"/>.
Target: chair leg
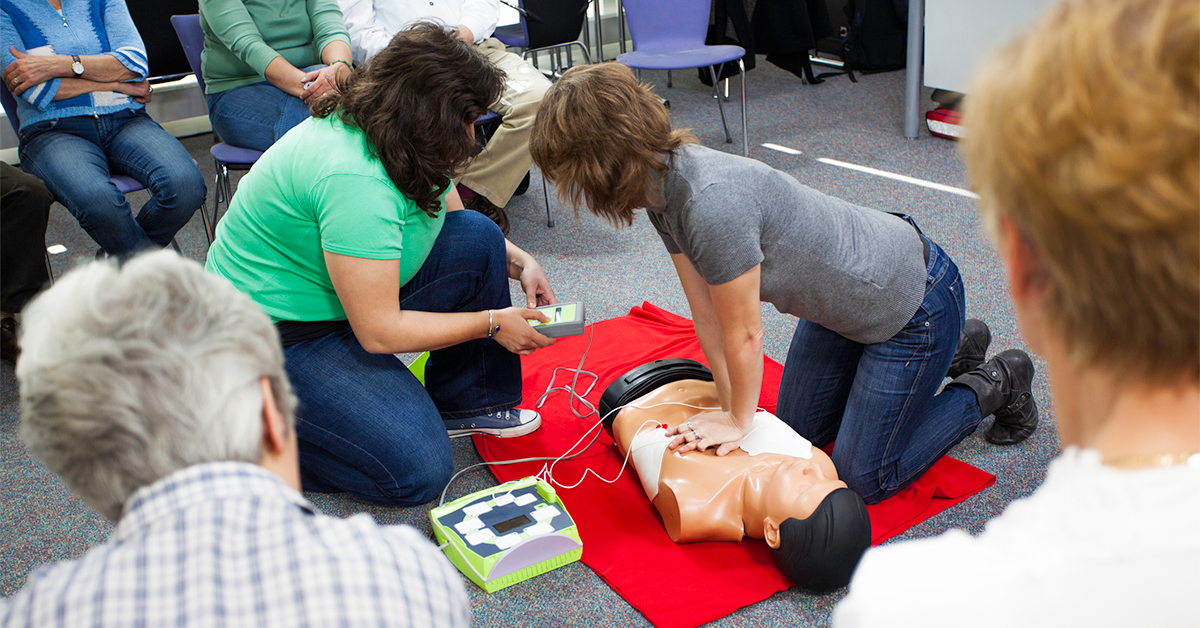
<point x="668" y="79"/>
<point x="204" y="215"/>
<point x="726" y="82"/>
<point x="227" y="196"/>
<point x="175" y="245"/>
<point x="621" y="21"/>
<point x="745" y="134"/>
<point x="210" y="220"/>
<point x="49" y="268"/>
<point x="546" y="196"/>
<point x="721" y="106"/>
<point x="587" y="58"/>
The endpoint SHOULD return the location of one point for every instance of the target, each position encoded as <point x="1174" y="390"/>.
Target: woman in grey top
<point x="880" y="305"/>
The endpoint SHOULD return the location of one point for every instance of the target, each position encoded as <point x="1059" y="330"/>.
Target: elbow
<point x="373" y="342"/>
<point x="374" y="345"/>
<point x="747" y="337"/>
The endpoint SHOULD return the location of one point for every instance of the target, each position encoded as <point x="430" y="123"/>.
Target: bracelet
<point x="342" y="61"/>
<point x="492" y="331"/>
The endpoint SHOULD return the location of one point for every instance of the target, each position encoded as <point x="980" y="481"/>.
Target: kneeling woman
<point x="346" y="233"/>
<point x="880" y="305"/>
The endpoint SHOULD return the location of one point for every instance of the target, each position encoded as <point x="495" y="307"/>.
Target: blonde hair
<point x="601" y="137"/>
<point x="1085" y="132"/>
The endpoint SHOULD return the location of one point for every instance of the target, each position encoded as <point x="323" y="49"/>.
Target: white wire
<point x="547" y="471"/>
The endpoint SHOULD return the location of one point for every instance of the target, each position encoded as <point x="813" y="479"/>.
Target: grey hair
<point x="130" y="374"/>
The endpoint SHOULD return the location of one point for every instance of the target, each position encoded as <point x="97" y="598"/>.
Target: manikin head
<point x="815" y="527"/>
<point x="130" y="374"/>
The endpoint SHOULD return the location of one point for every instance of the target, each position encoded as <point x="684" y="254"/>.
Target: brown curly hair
<point x="413" y="100"/>
<point x="602" y="137"/>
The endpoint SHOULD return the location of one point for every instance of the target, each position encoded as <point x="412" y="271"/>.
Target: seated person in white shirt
<point x="491" y="178"/>
<point x="157" y="392"/>
<point x="1084" y="145"/>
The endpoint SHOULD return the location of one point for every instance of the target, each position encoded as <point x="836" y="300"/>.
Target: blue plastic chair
<point x="669" y="35"/>
<point x="225" y="157"/>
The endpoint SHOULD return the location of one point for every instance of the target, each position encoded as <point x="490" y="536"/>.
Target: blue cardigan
<point x="86" y="27"/>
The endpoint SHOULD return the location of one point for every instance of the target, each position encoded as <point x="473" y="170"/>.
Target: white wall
<point x="960" y="33"/>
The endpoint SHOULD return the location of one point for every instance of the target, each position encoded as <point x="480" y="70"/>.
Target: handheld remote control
<point x="566" y="319"/>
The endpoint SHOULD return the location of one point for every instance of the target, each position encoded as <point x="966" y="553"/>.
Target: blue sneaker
<point x="505" y="424"/>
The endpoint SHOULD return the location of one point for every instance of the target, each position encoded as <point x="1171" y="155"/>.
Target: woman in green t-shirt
<point x="347" y="233"/>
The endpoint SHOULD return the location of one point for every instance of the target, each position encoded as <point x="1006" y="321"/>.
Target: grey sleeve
<point x="668" y="241"/>
<point x="723" y="226"/>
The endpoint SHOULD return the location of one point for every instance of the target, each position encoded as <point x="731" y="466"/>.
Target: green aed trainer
<point x="501" y="536"/>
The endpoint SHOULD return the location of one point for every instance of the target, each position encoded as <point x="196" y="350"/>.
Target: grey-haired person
<point x="157" y="392"/>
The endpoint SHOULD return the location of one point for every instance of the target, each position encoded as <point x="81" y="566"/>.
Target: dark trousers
<point x="24" y="212"/>
<point x="366" y="425"/>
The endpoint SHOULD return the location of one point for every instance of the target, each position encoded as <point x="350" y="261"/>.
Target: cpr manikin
<point x="776" y="487"/>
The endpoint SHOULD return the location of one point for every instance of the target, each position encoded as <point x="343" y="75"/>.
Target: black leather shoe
<point x="480" y="204"/>
<point x="1003" y="387"/>
<point x="972" y="347"/>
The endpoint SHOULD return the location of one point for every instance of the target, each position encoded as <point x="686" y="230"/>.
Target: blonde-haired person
<point x="880" y="304"/>
<point x="1085" y="147"/>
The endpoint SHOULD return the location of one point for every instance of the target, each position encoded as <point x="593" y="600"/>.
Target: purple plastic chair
<point x="125" y="184"/>
<point x="669" y="35"/>
<point x="225" y="157"/>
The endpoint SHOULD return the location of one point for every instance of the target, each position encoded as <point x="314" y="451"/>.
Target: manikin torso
<point x="704" y="497"/>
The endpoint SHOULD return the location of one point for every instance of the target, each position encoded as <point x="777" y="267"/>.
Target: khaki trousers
<point x="497" y="171"/>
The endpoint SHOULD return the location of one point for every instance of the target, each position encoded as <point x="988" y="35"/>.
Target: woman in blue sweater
<point x="79" y="75"/>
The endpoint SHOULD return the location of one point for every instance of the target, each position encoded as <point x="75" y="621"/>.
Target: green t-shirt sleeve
<point x="360" y="216"/>
<point x="231" y="23"/>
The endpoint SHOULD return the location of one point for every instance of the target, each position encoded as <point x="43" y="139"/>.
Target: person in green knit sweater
<point x="264" y="61"/>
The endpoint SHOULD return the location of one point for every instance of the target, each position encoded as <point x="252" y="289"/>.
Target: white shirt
<point x="229" y="544"/>
<point x="1094" y="546"/>
<point x="373" y="23"/>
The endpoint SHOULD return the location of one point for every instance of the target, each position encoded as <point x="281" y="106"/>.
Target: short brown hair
<point x="600" y="136"/>
<point x="1085" y="132"/>
<point x="413" y="100"/>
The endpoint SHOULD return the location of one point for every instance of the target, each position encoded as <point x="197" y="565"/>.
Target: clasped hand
<point x="708" y="429"/>
<point x="322" y="81"/>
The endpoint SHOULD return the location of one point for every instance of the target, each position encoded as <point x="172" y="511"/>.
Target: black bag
<point x="877" y="37"/>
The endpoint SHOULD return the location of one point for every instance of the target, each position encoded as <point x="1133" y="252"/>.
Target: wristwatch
<point x="76" y="65"/>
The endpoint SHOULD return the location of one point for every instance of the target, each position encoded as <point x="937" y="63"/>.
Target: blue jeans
<point x="255" y="116"/>
<point x="75" y="157"/>
<point x="878" y="401"/>
<point x="366" y="425"/>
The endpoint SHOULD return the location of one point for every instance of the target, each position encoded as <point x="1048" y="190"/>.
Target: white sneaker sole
<point x="506" y="432"/>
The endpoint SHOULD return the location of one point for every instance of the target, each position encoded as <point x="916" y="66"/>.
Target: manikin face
<point x="796" y="489"/>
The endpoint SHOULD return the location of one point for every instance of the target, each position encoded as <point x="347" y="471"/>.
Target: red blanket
<point x="623" y="539"/>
